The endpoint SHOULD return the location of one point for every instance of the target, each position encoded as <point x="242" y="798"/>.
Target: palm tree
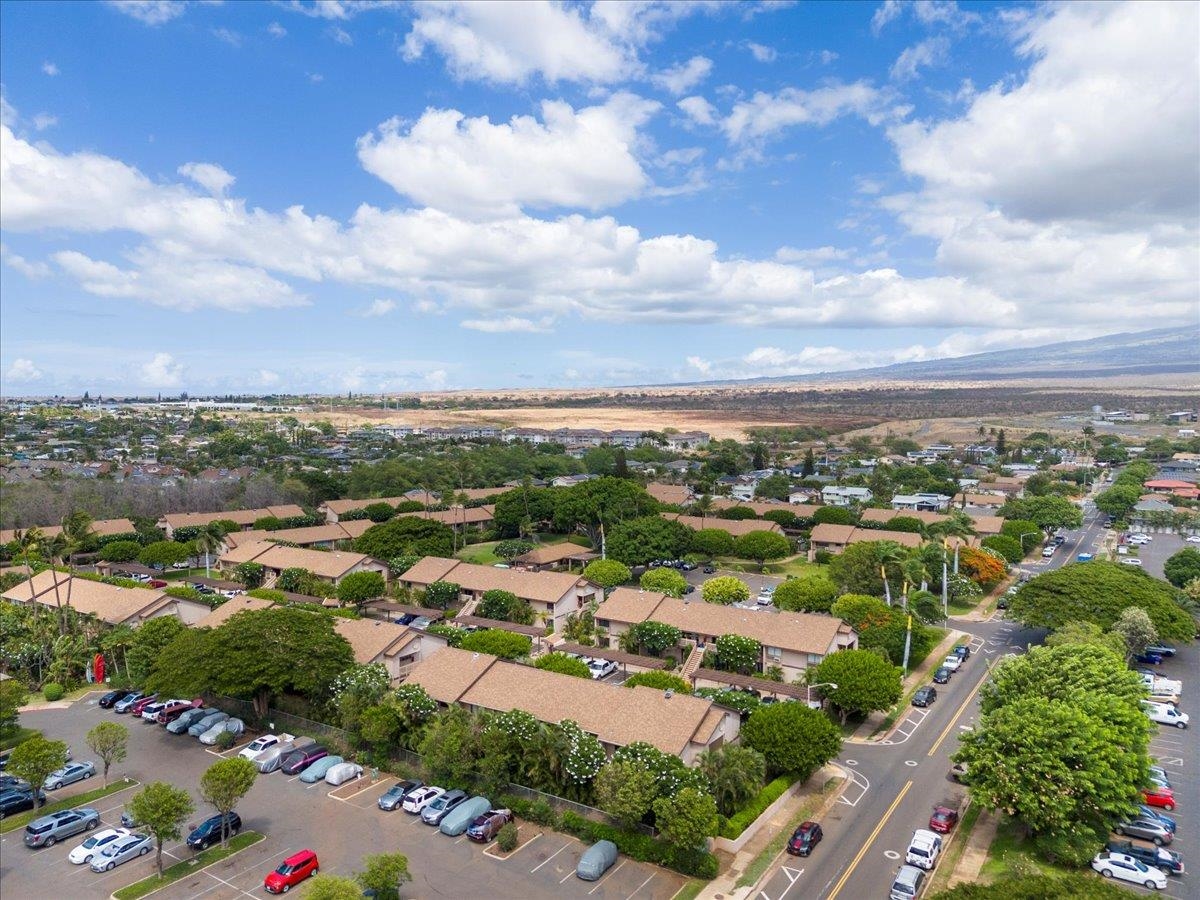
<point x="888" y="553"/>
<point x="702" y="506"/>
<point x="736" y="773"/>
<point x="76" y="532"/>
<point x="117" y="641"/>
<point x="29" y="543"/>
<point x="958" y="525"/>
<point x="57" y="548"/>
<point x="209" y="540"/>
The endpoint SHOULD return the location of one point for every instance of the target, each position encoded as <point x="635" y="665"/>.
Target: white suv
<point x="923" y="849"/>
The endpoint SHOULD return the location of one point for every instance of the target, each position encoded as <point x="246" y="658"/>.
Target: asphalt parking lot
<point x="1161" y="548"/>
<point x="753" y="581"/>
<point x="294" y="816"/>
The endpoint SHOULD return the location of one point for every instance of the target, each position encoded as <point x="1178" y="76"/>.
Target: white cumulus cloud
<point x="50" y="68"/>
<point x="681" y="78"/>
<point x="571" y="158"/>
<point x="150" y="12"/>
<point x="162" y="372"/>
<point x="765" y="115"/>
<point x="22" y="371"/>
<point x="209" y="176"/>
<point x="379" y="307"/>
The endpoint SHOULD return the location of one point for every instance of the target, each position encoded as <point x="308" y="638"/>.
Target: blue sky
<point x="386" y="196"/>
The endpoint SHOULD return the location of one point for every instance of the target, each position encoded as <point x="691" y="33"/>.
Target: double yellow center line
<point x="870" y="840"/>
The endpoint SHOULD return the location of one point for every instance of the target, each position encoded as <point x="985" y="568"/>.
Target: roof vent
<point x="668" y="694"/>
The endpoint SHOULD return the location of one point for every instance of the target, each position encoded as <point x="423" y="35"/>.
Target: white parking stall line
<point x="856" y="781"/>
<point x="548" y="858"/>
<point x="606" y="875"/>
<point x="640" y="886"/>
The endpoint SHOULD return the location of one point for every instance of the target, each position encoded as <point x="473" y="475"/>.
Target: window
<point x="814" y="659"/>
<point x="774" y="653"/>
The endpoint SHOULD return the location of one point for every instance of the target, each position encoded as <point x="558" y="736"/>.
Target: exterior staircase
<point x="692" y="663"/>
<point x="269" y="580"/>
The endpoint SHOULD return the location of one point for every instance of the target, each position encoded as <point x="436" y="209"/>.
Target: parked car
<point x="1130" y="561"/>
<point x="272" y="758"/>
<point x="95" y="844"/>
<point x="294" y="870"/>
<point x="13" y="783"/>
<point x="460" y="818"/>
<point x="187" y="719"/>
<point x="46" y="831"/>
<point x="1159" y="857"/>
<point x="1048" y="552"/>
<point x="319" y="769"/>
<point x="962" y="651"/>
<point x="420" y="798"/>
<point x="907" y="883"/>
<point x="1158" y="776"/>
<point x="12" y="802"/>
<point x="1148" y="658"/>
<point x="175" y="709"/>
<point x="923" y="849"/>
<point x="943" y="819"/>
<point x="206" y="721"/>
<point x="924" y="696"/>
<point x="122" y="851"/>
<point x="485" y="827"/>
<point x="69" y="774"/>
<point x="124" y="705"/>
<point x="208" y="832"/>
<point x="1151" y="813"/>
<point x="1166" y="714"/>
<point x="709" y="570"/>
<point x="941" y="675"/>
<point x="1159" y="796"/>
<point x="343" y="772"/>
<point x="232" y="726"/>
<point x="1147" y="828"/>
<point x="1163" y="649"/>
<point x="804" y="839"/>
<point x="258" y="745"/>
<point x="1126" y="868"/>
<point x="602" y="668"/>
<point x="139" y="707"/>
<point x="109" y="700"/>
<point x="953" y="662"/>
<point x="302" y="758"/>
<point x="394" y="796"/>
<point x="596" y="860"/>
<point x="436" y="809"/>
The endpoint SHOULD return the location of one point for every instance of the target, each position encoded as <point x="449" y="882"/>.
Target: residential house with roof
<point x="274" y="558"/>
<point x="245" y="518"/>
<point x="459" y="518"/>
<point x="836" y="538"/>
<point x="883" y="516"/>
<point x="100" y="528"/>
<point x="762" y="507"/>
<point x="836" y="495"/>
<point x="734" y="527"/>
<point x="1183" y="489"/>
<point x="549" y="556"/>
<point x="553" y="595"/>
<point x="979" y="501"/>
<point x="793" y="641"/>
<point x="107" y="603"/>
<point x="679" y="724"/>
<point x="674" y="494"/>
<point x="1180" y="470"/>
<point x="320" y="536"/>
<point x="922" y="502"/>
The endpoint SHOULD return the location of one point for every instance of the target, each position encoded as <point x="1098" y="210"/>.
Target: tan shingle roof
<point x="736" y="527"/>
<point x="886" y="515"/>
<point x="458" y="515"/>
<point x="676" y="494"/>
<point x="241" y="516"/>
<point x="985" y="525"/>
<point x="230" y="607"/>
<point x="548" y="554"/>
<point x="828" y="533"/>
<point x="800" y="632"/>
<point x="543" y="587"/>
<point x="844" y="535"/>
<point x="981" y="500"/>
<point x="325" y="564"/>
<point x="313" y="534"/>
<point x="100" y="527"/>
<point x="762" y="507"/>
<point x="106" y="602"/>
<point x="616" y="715"/>
<point x="371" y="639"/>
<point x="341" y="507"/>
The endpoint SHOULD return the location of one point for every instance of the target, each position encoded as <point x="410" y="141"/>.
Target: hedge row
<point x="770" y="792"/>
<point x="698" y="863"/>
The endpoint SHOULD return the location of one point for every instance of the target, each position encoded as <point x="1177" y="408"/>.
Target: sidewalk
<point x="723" y="885"/>
<point x="863" y="734"/>
<point x="976" y="853"/>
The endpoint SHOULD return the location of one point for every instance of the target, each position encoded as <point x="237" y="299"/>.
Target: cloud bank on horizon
<point x="378" y="196"/>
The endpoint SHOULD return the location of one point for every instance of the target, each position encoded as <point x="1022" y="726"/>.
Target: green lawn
<point x="794" y="567"/>
<point x="480" y="554"/>
<point x="1011" y="855"/>
<point x="690" y="891"/>
<point x="188" y="866"/>
<point x="12" y="823"/>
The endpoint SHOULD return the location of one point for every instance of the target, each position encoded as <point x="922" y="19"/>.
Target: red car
<point x="943" y="820"/>
<point x="175" y="709"/>
<point x="294" y="870"/>
<point x="136" y="709"/>
<point x="1160" y="796"/>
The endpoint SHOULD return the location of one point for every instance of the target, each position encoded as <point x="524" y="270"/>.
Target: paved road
<point x="894" y="786"/>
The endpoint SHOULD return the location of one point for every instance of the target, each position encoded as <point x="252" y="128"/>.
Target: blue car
<point x="1149" y="658"/>
<point x="316" y="772"/>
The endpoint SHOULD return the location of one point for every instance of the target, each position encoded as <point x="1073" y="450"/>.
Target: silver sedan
<point x="69" y="774"/>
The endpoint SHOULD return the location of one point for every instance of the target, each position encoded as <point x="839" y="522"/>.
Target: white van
<point x="1165" y="714"/>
